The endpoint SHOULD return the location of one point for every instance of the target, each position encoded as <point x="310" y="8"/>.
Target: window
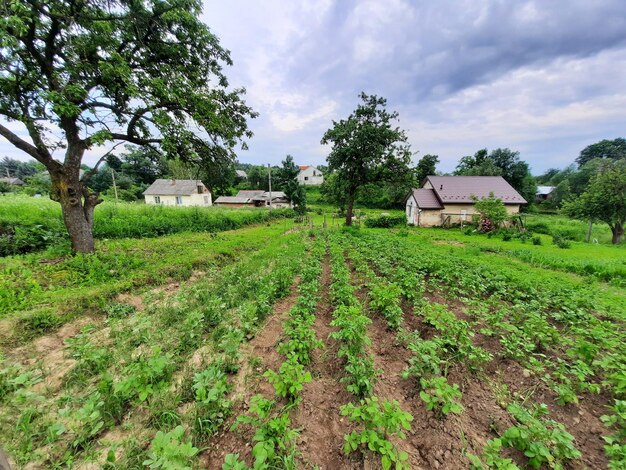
<point x="179" y="200"/>
<point x="200" y="189"/>
<point x="306" y="178"/>
<point x="314" y="173"/>
<point x="157" y="199"/>
<point x="206" y="199"/>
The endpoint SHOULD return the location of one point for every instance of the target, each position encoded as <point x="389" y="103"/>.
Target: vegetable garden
<point x="333" y="348"/>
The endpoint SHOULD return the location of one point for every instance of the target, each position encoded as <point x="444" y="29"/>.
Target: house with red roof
<point x="445" y="200"/>
<point x="309" y="175"/>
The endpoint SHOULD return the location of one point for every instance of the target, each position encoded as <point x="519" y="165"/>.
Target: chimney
<point x="173" y="182"/>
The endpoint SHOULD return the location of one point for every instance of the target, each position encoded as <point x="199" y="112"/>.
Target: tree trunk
<point x="349" y="210"/>
<point x="618" y="231"/>
<point x="77" y="205"/>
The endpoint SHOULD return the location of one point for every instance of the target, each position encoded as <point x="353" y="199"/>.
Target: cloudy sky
<point x="545" y="78"/>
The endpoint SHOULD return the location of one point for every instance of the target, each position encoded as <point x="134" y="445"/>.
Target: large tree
<point x="77" y="74"/>
<point x="604" y="199"/>
<point x="611" y="149"/>
<point x="366" y="148"/>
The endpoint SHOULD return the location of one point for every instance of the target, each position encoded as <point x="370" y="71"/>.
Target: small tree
<point x="492" y="212"/>
<point x="604" y="199"/>
<point x="366" y="148"/>
<point x="287" y="181"/>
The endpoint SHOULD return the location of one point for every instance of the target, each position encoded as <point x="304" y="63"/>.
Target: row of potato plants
<point x="118" y="375"/>
<point x="432" y="357"/>
<point x="378" y="419"/>
<point x="530" y="325"/>
<point x="274" y="437"/>
<point x="542" y="440"/>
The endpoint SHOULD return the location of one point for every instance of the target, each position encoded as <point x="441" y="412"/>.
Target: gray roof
<point x="460" y="189"/>
<point x="14" y="181"/>
<point x="232" y="200"/>
<point x="545" y="190"/>
<point x="266" y="195"/>
<point x="426" y="199"/>
<point x="249" y="193"/>
<point x="241" y="173"/>
<point x="173" y="187"/>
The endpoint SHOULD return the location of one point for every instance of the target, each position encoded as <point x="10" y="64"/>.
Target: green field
<point x="281" y="345"/>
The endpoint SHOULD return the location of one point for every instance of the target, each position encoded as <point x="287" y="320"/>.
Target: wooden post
<point x="589" y="230"/>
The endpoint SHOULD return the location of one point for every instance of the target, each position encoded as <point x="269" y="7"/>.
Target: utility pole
<point x="589" y="228"/>
<point x="114" y="185"/>
<point x="269" y="176"/>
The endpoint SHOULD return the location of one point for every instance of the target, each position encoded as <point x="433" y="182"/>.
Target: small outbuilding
<point x="12" y="181"/>
<point x="445" y="200"/>
<point x="173" y="192"/>
<point x="544" y="193"/>
<point x="254" y="198"/>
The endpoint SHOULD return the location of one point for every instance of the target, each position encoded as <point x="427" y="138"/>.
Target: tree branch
<point x="93" y="171"/>
<point x="30" y="149"/>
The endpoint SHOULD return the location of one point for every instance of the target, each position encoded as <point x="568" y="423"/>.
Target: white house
<point x="444" y="200"/>
<point x="172" y="192"/>
<point x="309" y="175"/>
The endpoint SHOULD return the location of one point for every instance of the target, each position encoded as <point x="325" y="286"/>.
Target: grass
<point x="604" y="262"/>
<point x="568" y="228"/>
<point x="34" y="223"/>
<point x="34" y="286"/>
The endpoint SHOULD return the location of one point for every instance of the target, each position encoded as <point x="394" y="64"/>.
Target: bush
<point x="536" y="241"/>
<point x="19" y="239"/>
<point x="385" y="221"/>
<point x="561" y="242"/>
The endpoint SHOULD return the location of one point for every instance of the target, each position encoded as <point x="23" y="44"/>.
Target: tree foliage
<point x="604" y="199"/>
<point x="145" y="72"/>
<point x="609" y="149"/>
<point x="492" y="212"/>
<point x="426" y="166"/>
<point x="366" y="148"/>
<point x="10" y="167"/>
<point x="500" y="162"/>
<point x="287" y="181"/>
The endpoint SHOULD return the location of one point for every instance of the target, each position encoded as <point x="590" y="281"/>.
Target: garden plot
<point x="337" y="349"/>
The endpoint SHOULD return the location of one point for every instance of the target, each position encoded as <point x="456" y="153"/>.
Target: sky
<point x="545" y="78"/>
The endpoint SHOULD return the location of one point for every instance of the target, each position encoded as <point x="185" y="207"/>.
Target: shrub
<point x="385" y="221"/>
<point x="536" y="240"/>
<point x="561" y="241"/>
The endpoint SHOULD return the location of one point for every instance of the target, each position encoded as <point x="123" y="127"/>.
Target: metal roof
<point x="460" y="189"/>
<point x="173" y="187"/>
<point x="545" y="190"/>
<point x="426" y="199"/>
<point x="241" y="173"/>
<point x="250" y="193"/>
<point x="232" y="200"/>
<point x="266" y="195"/>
